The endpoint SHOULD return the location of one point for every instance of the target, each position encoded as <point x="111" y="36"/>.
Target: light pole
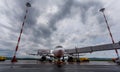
<point x="17" y="46"/>
<point x="102" y="10"/>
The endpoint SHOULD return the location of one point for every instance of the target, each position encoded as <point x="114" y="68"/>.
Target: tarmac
<point x="92" y="66"/>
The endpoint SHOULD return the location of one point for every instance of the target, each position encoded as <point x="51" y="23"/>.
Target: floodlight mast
<point x="17" y="46"/>
<point x="102" y="10"/>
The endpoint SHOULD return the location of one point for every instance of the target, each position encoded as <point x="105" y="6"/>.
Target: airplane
<point x="60" y="52"/>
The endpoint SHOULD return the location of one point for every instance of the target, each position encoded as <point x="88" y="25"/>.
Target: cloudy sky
<point x="70" y="23"/>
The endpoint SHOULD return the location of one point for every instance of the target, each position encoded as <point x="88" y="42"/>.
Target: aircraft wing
<point x="43" y="52"/>
<point x="90" y="49"/>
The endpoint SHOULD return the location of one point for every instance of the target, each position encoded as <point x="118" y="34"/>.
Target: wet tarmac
<point x="93" y="66"/>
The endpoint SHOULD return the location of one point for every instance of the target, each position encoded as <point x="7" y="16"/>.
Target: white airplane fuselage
<point x="58" y="52"/>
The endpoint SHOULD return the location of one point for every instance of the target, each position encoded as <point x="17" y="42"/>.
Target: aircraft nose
<point x="59" y="53"/>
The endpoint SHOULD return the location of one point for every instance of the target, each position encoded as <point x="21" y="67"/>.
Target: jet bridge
<point x="90" y="49"/>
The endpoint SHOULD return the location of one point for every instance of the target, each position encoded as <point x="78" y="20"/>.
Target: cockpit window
<point x="58" y="47"/>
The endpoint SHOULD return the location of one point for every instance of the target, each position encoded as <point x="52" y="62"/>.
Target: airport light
<point x="17" y="46"/>
<point x="102" y="10"/>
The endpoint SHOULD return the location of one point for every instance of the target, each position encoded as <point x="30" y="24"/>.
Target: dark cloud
<point x="63" y="12"/>
<point x="84" y="8"/>
<point x="40" y="31"/>
<point x="87" y="10"/>
<point x="62" y="40"/>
